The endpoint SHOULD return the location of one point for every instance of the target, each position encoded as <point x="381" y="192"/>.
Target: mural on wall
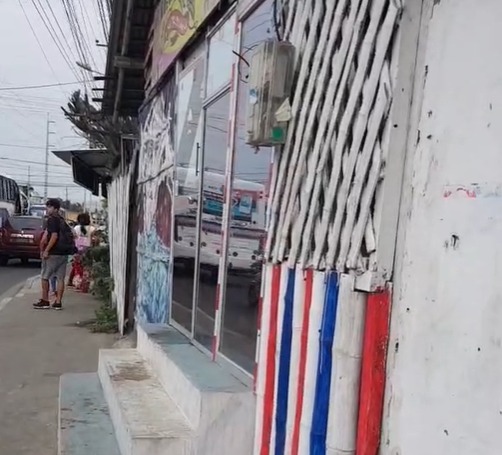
<point x="177" y="22"/>
<point x="155" y="185"/>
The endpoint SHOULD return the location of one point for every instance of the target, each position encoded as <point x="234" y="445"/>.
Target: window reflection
<point x="213" y="180"/>
<point x="247" y="229"/>
<point x="189" y="139"/>
<point x="221" y="57"/>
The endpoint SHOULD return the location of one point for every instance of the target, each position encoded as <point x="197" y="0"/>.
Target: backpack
<point x="66" y="239"/>
<point x="83" y="242"/>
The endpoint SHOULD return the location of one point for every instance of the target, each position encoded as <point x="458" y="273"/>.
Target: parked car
<point x="20" y="238"/>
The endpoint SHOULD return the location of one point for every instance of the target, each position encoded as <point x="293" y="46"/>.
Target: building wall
<point x="118" y="216"/>
<point x="444" y="372"/>
<point x="322" y="340"/>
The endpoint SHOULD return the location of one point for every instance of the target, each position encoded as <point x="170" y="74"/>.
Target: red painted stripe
<point x="302" y="367"/>
<point x="376" y="339"/>
<point x="268" y="399"/>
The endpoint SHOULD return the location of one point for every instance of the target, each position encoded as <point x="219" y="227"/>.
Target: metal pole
<point x="46" y="181"/>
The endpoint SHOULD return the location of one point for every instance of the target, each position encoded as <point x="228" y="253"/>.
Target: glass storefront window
<point x="188" y="146"/>
<point x="213" y="180"/>
<point x="221" y="57"/>
<point x="247" y="226"/>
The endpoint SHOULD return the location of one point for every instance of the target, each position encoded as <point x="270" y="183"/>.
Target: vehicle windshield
<point x="37" y="211"/>
<point x="20" y="223"/>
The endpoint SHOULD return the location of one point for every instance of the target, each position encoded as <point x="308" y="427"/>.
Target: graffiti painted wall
<point x="155" y="190"/>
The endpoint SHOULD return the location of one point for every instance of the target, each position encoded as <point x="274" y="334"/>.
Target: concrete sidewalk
<point x="36" y="347"/>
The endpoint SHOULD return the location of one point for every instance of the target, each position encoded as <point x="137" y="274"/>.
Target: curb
<point x="16" y="291"/>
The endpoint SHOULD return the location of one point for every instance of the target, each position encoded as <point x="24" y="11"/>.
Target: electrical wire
<point x="276" y="23"/>
<point x="37" y="39"/>
<point x="32" y="162"/>
<point x="29" y="87"/>
<point x="103" y="19"/>
<point x="35" y="147"/>
<point x="82" y="47"/>
<point x="50" y="29"/>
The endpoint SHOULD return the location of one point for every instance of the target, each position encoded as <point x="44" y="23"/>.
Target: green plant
<point x="97" y="260"/>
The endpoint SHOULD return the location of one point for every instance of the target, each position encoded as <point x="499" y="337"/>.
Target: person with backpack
<point x="54" y="251"/>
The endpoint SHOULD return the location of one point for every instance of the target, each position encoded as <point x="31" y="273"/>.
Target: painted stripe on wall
<point x="284" y="365"/>
<point x="345" y="375"/>
<point x="262" y="344"/>
<point x="302" y="363"/>
<point x="296" y="343"/>
<point x="280" y="318"/>
<point x="268" y="398"/>
<point x="315" y="321"/>
<point x="323" y="383"/>
<point x="376" y="338"/>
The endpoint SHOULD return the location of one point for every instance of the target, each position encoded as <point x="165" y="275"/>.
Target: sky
<point x="23" y="112"/>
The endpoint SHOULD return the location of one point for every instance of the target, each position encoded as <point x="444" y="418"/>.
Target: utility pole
<point x="47" y="147"/>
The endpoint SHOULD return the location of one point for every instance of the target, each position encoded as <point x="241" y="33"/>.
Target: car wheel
<point x="4" y="260"/>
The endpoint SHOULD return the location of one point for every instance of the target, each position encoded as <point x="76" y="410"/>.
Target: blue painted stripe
<point x="284" y="366"/>
<point x="325" y="362"/>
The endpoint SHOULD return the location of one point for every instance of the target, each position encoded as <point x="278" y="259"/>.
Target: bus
<point x="11" y="198"/>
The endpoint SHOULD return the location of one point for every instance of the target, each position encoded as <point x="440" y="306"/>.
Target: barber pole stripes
<point x="376" y="340"/>
<point x="310" y="351"/>
<point x="345" y="375"/>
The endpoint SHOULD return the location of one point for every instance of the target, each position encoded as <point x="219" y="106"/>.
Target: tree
<point x="98" y="128"/>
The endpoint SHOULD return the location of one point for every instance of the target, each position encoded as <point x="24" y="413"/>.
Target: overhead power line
<point x="33" y="162"/>
<point x="36" y="147"/>
<point x="37" y="39"/>
<point x="29" y="87"/>
<point x="42" y="13"/>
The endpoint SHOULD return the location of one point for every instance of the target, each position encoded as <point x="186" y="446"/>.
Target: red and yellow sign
<point x="176" y="21"/>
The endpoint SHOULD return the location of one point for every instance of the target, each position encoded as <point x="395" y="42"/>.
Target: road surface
<point x="16" y="274"/>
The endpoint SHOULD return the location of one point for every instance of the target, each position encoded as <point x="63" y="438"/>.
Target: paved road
<point x="16" y="274"/>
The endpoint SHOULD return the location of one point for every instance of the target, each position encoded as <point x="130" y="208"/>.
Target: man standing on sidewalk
<point x="54" y="251"/>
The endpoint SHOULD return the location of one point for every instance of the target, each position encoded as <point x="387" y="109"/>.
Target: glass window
<point x="188" y="148"/>
<point x="249" y="199"/>
<point x="213" y="180"/>
<point x="26" y="223"/>
<point x="221" y="57"/>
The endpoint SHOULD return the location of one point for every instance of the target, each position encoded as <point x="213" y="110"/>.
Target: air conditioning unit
<point x="269" y="87"/>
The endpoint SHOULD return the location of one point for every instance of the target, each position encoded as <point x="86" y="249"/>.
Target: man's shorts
<point x="54" y="266"/>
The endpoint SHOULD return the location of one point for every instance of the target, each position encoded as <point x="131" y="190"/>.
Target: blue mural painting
<point x="154" y="277"/>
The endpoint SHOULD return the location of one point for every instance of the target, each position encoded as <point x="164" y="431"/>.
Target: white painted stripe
<point x="298" y="305"/>
<point x="345" y="375"/>
<point x="262" y="355"/>
<point x="316" y="310"/>
<point x="4" y="302"/>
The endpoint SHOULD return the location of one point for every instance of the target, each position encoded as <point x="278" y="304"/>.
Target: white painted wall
<point x="444" y="389"/>
<point x="118" y="223"/>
